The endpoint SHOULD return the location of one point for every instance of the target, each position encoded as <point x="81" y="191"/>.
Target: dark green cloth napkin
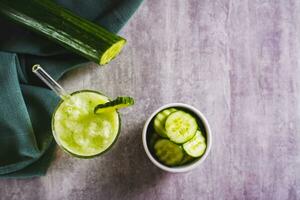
<point x="26" y="105"/>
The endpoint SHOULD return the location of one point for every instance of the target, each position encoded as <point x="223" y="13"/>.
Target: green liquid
<point x="81" y="132"/>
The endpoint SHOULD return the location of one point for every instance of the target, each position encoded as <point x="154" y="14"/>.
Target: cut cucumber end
<point x="112" y="52"/>
<point x="118" y="103"/>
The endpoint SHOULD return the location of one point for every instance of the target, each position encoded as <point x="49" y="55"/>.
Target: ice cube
<point x="75" y="114"/>
<point x="70" y="124"/>
<point x="78" y="128"/>
<point x="93" y="129"/>
<point x="59" y="116"/>
<point x="81" y="140"/>
<point x="106" y="129"/>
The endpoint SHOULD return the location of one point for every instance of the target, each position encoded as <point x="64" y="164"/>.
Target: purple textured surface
<point x="237" y="62"/>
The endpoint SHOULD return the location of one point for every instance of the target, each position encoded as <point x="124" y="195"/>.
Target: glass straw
<point x="48" y="80"/>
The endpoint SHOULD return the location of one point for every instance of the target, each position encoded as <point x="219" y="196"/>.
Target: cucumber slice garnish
<point x="160" y="120"/>
<point x="118" y="103"/>
<point x="180" y="127"/>
<point x="168" y="152"/>
<point x="196" y="146"/>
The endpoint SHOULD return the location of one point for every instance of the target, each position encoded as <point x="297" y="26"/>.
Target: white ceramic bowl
<point x="186" y="167"/>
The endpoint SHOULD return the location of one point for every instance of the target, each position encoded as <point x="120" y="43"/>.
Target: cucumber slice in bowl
<point x="168" y="152"/>
<point x="181" y="127"/>
<point x="160" y="120"/>
<point x="187" y="159"/>
<point x="153" y="139"/>
<point x="196" y="146"/>
<point x="118" y="103"/>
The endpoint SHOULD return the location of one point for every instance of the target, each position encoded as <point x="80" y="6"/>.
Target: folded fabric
<point x="26" y="105"/>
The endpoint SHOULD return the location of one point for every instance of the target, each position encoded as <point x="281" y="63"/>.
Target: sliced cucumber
<point x="119" y="102"/>
<point x="168" y="152"/>
<point x="187" y="159"/>
<point x="196" y="146"/>
<point x="160" y="120"/>
<point x="153" y="138"/>
<point x="181" y="127"/>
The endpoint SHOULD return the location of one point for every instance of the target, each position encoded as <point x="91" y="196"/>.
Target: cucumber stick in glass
<point x="64" y="27"/>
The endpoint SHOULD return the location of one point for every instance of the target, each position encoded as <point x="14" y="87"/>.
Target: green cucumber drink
<point x="81" y="132"/>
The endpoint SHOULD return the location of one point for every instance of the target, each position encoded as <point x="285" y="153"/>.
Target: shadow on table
<point x="131" y="174"/>
<point x="125" y="172"/>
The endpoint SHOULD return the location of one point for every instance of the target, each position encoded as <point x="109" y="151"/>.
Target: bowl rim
<point x="187" y="167"/>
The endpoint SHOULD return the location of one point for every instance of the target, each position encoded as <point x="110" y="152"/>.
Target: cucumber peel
<point x="64" y="27"/>
<point x="118" y="103"/>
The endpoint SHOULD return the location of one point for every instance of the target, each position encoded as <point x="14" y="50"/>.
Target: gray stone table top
<point x="236" y="61"/>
